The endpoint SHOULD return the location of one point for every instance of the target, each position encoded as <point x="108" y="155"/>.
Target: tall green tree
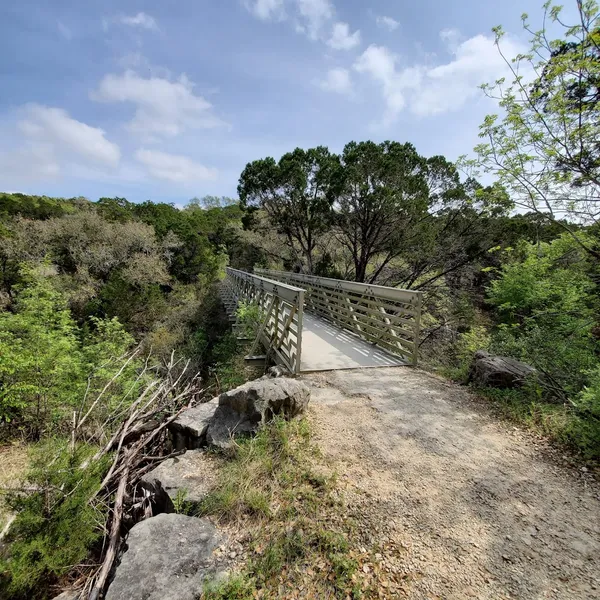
<point x="384" y="197"/>
<point x="297" y="193"/>
<point x="545" y="149"/>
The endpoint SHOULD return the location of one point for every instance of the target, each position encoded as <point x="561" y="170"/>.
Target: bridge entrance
<point x="309" y="323"/>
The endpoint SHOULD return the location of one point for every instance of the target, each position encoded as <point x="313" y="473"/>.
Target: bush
<point x="547" y="305"/>
<point x="41" y="366"/>
<point x="55" y="527"/>
<point x="477" y="338"/>
<point x="49" y="365"/>
<point x="249" y="317"/>
<point x="562" y="423"/>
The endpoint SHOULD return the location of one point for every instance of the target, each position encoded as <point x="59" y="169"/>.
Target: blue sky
<point x="169" y="100"/>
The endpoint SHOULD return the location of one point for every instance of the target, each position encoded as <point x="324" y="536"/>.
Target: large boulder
<point x="168" y="557"/>
<point x="243" y="410"/>
<point x="488" y="370"/>
<point x="189" y="429"/>
<point x="191" y="474"/>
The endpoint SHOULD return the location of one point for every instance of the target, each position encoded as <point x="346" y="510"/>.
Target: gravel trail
<point x="456" y="502"/>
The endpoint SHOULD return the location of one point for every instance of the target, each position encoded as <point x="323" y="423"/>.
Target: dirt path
<point x="460" y="505"/>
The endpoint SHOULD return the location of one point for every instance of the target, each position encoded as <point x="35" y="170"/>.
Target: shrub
<point x="249" y="316"/>
<point x="477" y="338"/>
<point x="569" y="425"/>
<point x="49" y="365"/>
<point x="41" y="366"/>
<point x="56" y="526"/>
<point x="547" y="305"/>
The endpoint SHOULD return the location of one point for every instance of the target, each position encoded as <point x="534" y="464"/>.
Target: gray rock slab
<point x="489" y="370"/>
<point x="193" y="472"/>
<point x="68" y="595"/>
<point x="243" y="410"/>
<point x="189" y="429"/>
<point x="168" y="557"/>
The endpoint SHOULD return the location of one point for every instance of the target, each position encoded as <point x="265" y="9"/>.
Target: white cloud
<point x="449" y="86"/>
<point x="42" y="142"/>
<point x="266" y="10"/>
<point x="54" y="128"/>
<point x="64" y="31"/>
<point x="380" y="64"/>
<point x="309" y="17"/>
<point x="338" y="80"/>
<point x="452" y="38"/>
<point x="31" y="161"/>
<point x="163" y="107"/>
<point x="427" y="90"/>
<point x="388" y="23"/>
<point x="342" y="39"/>
<point x="315" y="15"/>
<point x="174" y="167"/>
<point x="140" y="20"/>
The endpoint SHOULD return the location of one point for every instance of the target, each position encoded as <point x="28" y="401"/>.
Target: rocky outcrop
<point x="168" y="557"/>
<point x="189" y="429"/>
<point x="191" y="475"/>
<point x="239" y="412"/>
<point x="488" y="370"/>
<point x="243" y="410"/>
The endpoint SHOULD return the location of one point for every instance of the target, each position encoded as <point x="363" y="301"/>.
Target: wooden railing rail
<point x="387" y="317"/>
<point x="281" y="307"/>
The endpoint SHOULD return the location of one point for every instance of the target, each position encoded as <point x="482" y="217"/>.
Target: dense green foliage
<point x="547" y="306"/>
<point x="48" y="364"/>
<point x="55" y="526"/>
<point x="82" y="283"/>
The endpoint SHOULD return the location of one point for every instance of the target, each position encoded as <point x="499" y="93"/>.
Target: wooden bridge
<point x="309" y="323"/>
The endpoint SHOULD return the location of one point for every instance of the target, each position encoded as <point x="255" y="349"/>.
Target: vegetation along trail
<point x="461" y="505"/>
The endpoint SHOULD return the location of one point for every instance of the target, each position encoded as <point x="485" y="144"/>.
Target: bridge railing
<point x="281" y="308"/>
<point x="387" y="317"/>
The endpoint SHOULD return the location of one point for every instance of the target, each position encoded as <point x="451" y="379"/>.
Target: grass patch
<point x="297" y="541"/>
<point x="230" y="370"/>
<point x="14" y="461"/>
<point x="558" y="422"/>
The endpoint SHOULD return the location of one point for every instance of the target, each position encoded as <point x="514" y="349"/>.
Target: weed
<point x="180" y="504"/>
<point x="236" y="587"/>
<point x="559" y="422"/>
<point x="56" y="527"/>
<point x="270" y="483"/>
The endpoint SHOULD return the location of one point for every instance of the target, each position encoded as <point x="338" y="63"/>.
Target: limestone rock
<point x="168" y="557"/>
<point x="488" y="370"/>
<point x="160" y="500"/>
<point x="278" y="371"/>
<point x="189" y="429"/>
<point x="243" y="410"/>
<point x="191" y="472"/>
<point x="68" y="595"/>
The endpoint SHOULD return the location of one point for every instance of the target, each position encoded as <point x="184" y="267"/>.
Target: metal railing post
<point x="300" y="325"/>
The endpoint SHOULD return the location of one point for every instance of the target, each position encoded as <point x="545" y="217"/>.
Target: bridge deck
<point x="326" y="347"/>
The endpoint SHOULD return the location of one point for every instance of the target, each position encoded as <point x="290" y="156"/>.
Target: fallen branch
<point x="115" y="538"/>
<point x="138" y="445"/>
